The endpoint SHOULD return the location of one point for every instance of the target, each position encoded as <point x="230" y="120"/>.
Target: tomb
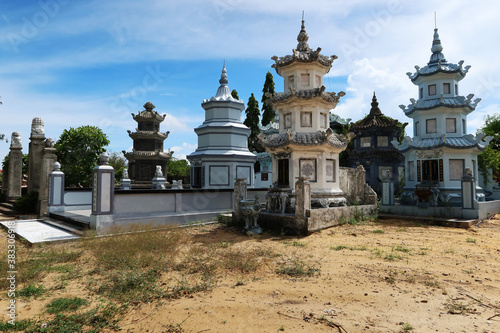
<point x="305" y="145"/>
<point x="147" y="151"/>
<point x="441" y="149"/>
<point x="372" y="148"/>
<point x="222" y="154"/>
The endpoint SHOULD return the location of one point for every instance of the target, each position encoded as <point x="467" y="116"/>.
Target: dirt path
<point x="389" y="276"/>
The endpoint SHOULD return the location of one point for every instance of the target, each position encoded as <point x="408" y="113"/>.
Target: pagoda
<point x="222" y="154"/>
<point x="372" y="147"/>
<point x="305" y="146"/>
<point x="441" y="150"/>
<point x="147" y="151"/>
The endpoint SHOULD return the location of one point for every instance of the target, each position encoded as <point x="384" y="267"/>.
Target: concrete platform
<point x="439" y="221"/>
<point x="37" y="231"/>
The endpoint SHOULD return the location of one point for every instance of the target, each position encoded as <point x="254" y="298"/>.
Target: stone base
<point x="255" y="230"/>
<point x="101" y="223"/>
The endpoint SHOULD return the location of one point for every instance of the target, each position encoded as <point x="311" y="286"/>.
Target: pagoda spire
<point x="436" y="49"/>
<point x="375" y="110"/>
<point x="223" y="92"/>
<point x="302" y="38"/>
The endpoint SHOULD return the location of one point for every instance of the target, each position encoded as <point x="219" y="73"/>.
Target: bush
<point x="27" y="203"/>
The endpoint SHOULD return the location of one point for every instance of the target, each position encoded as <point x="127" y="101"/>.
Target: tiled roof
<point x="374" y="119"/>
<point x="463" y="142"/>
<point x="330" y="97"/>
<point x="305" y="139"/>
<point x="449" y="102"/>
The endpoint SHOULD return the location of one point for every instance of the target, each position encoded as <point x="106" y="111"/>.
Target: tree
<point x="489" y="159"/>
<point x="78" y="152"/>
<point x="234" y="94"/>
<point x="268" y="113"/>
<point x="252" y="121"/>
<point x="119" y="163"/>
<point x="178" y="168"/>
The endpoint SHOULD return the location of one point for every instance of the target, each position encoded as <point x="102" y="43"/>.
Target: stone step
<point x="72" y="228"/>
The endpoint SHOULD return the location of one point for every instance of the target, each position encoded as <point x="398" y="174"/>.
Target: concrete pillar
<point x="387" y="190"/>
<point x="15" y="175"/>
<point x="103" y="192"/>
<point x="36" y="146"/>
<point x="125" y="182"/>
<point x="468" y="190"/>
<point x="302" y="202"/>
<point x="56" y="189"/>
<point x="360" y="183"/>
<point x="240" y="192"/>
<point x="49" y="158"/>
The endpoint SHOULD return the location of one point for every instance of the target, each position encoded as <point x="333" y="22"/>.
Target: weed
<point x="455" y="307"/>
<point x="378" y="231"/>
<point x="471" y="240"/>
<point x="244" y="262"/>
<point x="405" y="327"/>
<point x="401" y="230"/>
<point x="224" y="244"/>
<point x="65" y="304"/>
<point x="184" y="288"/>
<point x="296" y="268"/>
<point x="451" y="251"/>
<point x="31" y="290"/>
<point x="128" y="285"/>
<point x="377" y="252"/>
<point x="282" y="328"/>
<point x="401" y="249"/>
<point x="338" y="247"/>
<point x="20" y="325"/>
<point x="393" y="257"/>
<point x="391" y="278"/>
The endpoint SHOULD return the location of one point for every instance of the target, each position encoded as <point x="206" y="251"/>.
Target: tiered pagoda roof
<point x="375" y="119"/>
<point x="438" y="63"/>
<point x="303" y="53"/>
<point x="148" y="114"/>
<point x="330" y="97"/>
<point x="463" y="142"/>
<point x="307" y="139"/>
<point x="449" y="102"/>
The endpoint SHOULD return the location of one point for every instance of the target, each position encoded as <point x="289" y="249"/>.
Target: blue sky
<point x="77" y="63"/>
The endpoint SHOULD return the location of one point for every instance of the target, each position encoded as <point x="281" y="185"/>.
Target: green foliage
<point x="252" y="121"/>
<point x="268" y="113"/>
<point x="27" y="203"/>
<point x="31" y="290"/>
<point x="58" y="305"/>
<point x="119" y="163"/>
<point x="234" y="94"/>
<point x="178" y="168"/>
<point x="489" y="159"/>
<point x="78" y="152"/>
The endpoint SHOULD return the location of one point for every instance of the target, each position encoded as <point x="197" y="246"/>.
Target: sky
<point x="76" y="63"/>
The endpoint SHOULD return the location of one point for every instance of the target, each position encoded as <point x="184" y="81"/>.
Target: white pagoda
<point x="441" y="150"/>
<point x="305" y="146"/>
<point x="222" y="154"/>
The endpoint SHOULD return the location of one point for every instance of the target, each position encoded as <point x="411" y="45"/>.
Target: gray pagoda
<point x="147" y="151"/>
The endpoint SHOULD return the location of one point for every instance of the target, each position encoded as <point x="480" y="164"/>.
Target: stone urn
<point x="249" y="210"/>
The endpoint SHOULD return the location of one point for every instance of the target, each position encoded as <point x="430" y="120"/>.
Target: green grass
<point x="31" y="290"/>
<point x="352" y="248"/>
<point x="294" y="243"/>
<point x="401" y="230"/>
<point x="378" y="231"/>
<point x="58" y="305"/>
<point x="405" y="327"/>
<point x="471" y="240"/>
<point x="401" y="249"/>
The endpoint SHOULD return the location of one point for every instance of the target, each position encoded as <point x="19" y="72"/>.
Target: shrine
<point x="441" y="150"/>
<point x="305" y="146"/>
<point x="147" y="151"/>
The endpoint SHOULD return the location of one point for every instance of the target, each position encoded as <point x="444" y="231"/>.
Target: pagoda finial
<point x="223" y="92"/>
<point x="436" y="49"/>
<point x="149" y="106"/>
<point x="302" y="38"/>
<point x="375" y="110"/>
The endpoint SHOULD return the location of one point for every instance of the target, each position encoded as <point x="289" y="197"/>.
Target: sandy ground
<point x="387" y="276"/>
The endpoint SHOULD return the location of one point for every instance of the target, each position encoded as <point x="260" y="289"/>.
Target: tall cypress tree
<point x="252" y="121"/>
<point x="234" y="94"/>
<point x="268" y="113"/>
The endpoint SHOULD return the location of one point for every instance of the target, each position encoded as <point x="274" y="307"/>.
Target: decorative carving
<point x="15" y="141"/>
<point x="49" y="143"/>
<point x="426" y="154"/>
<point x="158" y="171"/>
<point x="37" y="128"/>
<point x="125" y="173"/>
